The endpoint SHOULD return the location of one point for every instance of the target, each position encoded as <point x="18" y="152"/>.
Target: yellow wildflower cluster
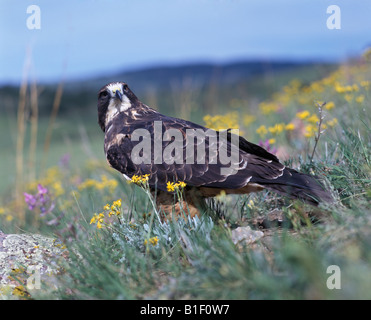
<point x="262" y="130"/>
<point x="105" y="183"/>
<point x="140" y="180"/>
<point x="312" y="122"/>
<point x="289" y="127"/>
<point x="298" y="94"/>
<point x="113" y="209"/>
<point x="153" y="241"/>
<point x="171" y="186"/>
<point x="98" y="219"/>
<point x="219" y="122"/>
<point x="346" y="89"/>
<point x="350" y="91"/>
<point x="303" y="114"/>
<point x="276" y="129"/>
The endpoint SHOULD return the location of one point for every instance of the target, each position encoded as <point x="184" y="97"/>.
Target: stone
<point x="245" y="235"/>
<point x="27" y="259"/>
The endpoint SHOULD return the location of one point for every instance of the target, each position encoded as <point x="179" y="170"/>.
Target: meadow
<point x="118" y="249"/>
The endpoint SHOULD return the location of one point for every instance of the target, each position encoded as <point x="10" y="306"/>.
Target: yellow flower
<point x="272" y="141"/>
<point x="170" y="186"/>
<point x="9" y="218"/>
<point x="111" y="213"/>
<point x="219" y="122"/>
<point x="117" y="203"/>
<point x="313" y="118"/>
<point x="106" y="207"/>
<point x="290" y="127"/>
<point x="2" y="210"/>
<point x="135" y="179"/>
<point x="330" y="105"/>
<point x="262" y="130"/>
<point x="180" y="184"/>
<point x="360" y="98"/>
<point x="140" y="180"/>
<point x="250" y="204"/>
<point x="153" y="241"/>
<point x="339" y="88"/>
<point x="98" y="219"/>
<point x="58" y="189"/>
<point x="302" y="115"/>
<point x="20" y="291"/>
<point x="277" y="128"/>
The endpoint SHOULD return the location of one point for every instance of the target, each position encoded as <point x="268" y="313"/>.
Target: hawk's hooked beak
<point x="118" y="95"/>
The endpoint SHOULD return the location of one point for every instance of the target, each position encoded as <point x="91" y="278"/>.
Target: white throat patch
<point x="116" y="106"/>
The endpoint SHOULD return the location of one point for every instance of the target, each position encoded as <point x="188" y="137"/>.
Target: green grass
<point x="196" y="259"/>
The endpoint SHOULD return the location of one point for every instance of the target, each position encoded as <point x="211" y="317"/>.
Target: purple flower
<point x="30" y="200"/>
<point x="41" y="189"/>
<point x="41" y="200"/>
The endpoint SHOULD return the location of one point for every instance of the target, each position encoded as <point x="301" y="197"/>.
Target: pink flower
<point x="41" y="189"/>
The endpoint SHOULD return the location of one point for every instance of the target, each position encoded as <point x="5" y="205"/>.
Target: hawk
<point x="129" y="125"/>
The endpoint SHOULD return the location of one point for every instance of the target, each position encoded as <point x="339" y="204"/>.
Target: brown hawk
<point x="130" y="127"/>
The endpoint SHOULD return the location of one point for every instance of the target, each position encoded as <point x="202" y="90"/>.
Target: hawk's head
<point x="114" y="98"/>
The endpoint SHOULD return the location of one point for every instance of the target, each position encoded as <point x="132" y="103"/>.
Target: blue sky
<point x="86" y="38"/>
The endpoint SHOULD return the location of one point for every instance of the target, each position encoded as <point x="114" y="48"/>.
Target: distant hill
<point x="199" y="74"/>
<point x="253" y="78"/>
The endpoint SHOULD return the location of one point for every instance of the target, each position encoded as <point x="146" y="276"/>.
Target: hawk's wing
<point x="253" y="161"/>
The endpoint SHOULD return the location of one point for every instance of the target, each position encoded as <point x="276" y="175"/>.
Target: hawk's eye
<point x="103" y="94"/>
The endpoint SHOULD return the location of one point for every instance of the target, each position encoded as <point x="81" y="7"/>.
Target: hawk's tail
<point x="301" y="186"/>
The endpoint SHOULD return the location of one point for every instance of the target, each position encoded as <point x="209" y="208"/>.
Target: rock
<point x="245" y="235"/>
<point x="26" y="260"/>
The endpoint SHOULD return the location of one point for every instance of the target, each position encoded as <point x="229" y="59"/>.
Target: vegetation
<point x="118" y="248"/>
